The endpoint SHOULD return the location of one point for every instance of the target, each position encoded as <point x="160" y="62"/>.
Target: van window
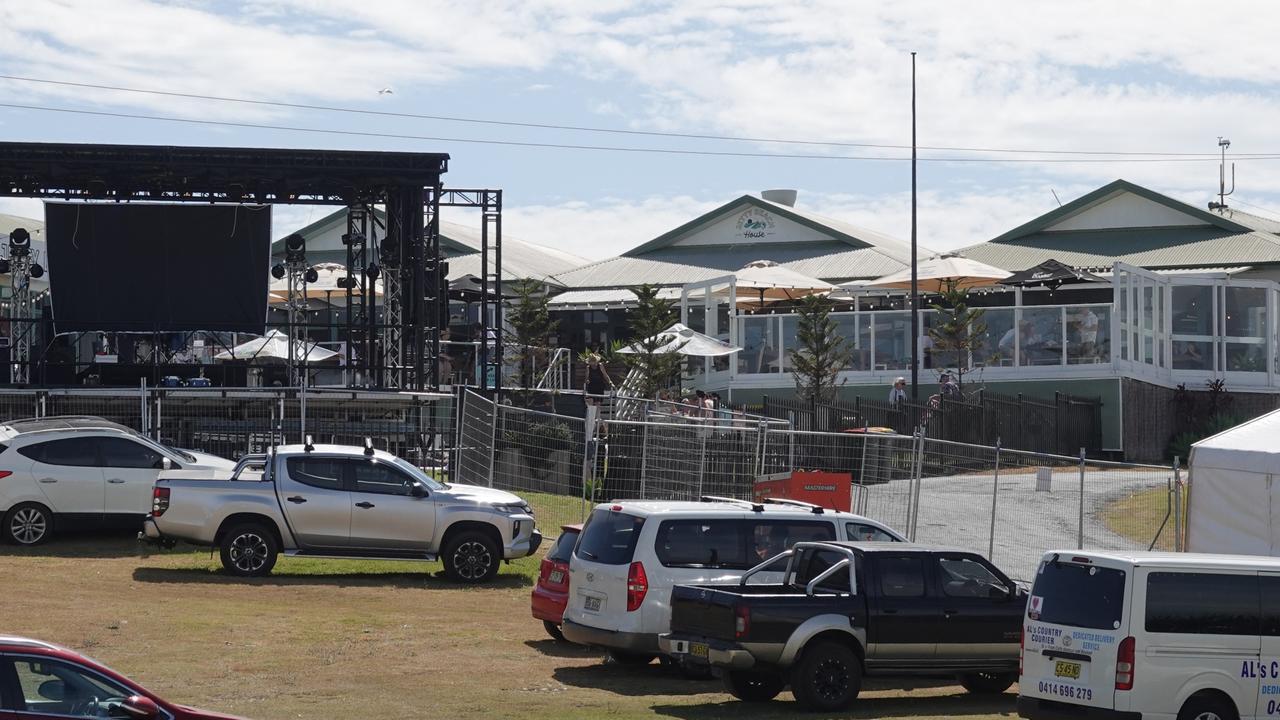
<point x="1202" y="603"/>
<point x="1270" y="602"/>
<point x="1083" y="596"/>
<point x="609" y="537"/>
<point x="733" y="544"/>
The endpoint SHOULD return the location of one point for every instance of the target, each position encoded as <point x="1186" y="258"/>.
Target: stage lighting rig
<point x="19" y="243"/>
<point x="21" y="270"/>
<point x="278" y="271"/>
<point x="295" y="249"/>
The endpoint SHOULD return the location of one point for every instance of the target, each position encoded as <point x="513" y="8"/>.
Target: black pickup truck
<point x="845" y="610"/>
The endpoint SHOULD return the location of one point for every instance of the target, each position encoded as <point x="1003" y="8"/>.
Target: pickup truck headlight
<point x="514" y="509"/>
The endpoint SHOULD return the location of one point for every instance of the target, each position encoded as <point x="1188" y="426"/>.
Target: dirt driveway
<point x="343" y="639"/>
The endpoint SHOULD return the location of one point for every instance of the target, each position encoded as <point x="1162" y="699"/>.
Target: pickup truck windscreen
<point x="1084" y="596"/>
<point x="609" y="537"/>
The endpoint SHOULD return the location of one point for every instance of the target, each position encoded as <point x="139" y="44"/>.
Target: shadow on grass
<point x="960" y="704"/>
<point x="433" y="580"/>
<point x="561" y="649"/>
<point x="634" y="681"/>
<point x="81" y="544"/>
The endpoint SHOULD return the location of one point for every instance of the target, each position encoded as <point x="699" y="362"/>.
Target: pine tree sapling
<point x="959" y="330"/>
<point x="528" y="328"/>
<point x="820" y="353"/>
<point x="648" y="321"/>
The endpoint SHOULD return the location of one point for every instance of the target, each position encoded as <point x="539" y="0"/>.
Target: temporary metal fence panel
<point x="476" y="447"/>
<point x="539" y="456"/>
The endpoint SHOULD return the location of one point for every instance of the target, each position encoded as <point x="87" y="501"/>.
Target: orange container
<point x="831" y="490"/>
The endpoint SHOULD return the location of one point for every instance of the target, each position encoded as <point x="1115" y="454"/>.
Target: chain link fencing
<point x="1008" y="505"/>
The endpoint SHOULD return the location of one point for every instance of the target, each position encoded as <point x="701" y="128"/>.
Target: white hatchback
<point x="631" y="553"/>
<point x="1126" y="636"/>
<point x="69" y="472"/>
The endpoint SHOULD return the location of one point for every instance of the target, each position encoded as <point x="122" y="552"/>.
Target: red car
<point x="40" y="681"/>
<point x="551" y="593"/>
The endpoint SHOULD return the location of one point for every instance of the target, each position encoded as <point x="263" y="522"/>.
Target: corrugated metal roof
<point x="887" y="245"/>
<point x="1145" y="247"/>
<point x="519" y="258"/>
<point x="865" y="263"/>
<point x="1257" y="222"/>
<point x="633" y="271"/>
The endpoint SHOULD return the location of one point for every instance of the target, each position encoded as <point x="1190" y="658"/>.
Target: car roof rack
<point x="755" y="507"/>
<point x="815" y="509"/>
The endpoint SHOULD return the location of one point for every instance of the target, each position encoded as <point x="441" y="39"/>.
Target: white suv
<point x="631" y="553"/>
<point x="68" y="472"/>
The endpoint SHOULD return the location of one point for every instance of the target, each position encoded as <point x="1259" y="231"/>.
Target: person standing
<point x="898" y="394"/>
<point x="597" y="379"/>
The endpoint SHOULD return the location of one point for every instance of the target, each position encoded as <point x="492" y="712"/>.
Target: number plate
<point x="591" y="604"/>
<point x="1064" y="669"/>
<point x="557" y="576"/>
<point x="698" y="650"/>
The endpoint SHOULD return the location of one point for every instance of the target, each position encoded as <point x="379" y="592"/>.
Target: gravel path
<point x="956" y="511"/>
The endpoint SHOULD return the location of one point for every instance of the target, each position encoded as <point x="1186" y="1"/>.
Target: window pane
<point x="563" y="548"/>
<point x="847" y="328"/>
<point x="1246" y="312"/>
<point x="1192" y="310"/>
<point x="772" y="537"/>
<point x="704" y="543"/>
<point x="323" y="473"/>
<point x="759" y="344"/>
<point x="609" y="537"/>
<point x="77" y="452"/>
<point x="866" y="533"/>
<point x="1270" y="604"/>
<point x="1088" y="335"/>
<point x="963" y="577"/>
<point x="697" y="315"/>
<point x="1202" y="603"/>
<point x="893" y="344"/>
<point x="54" y="688"/>
<point x="1040" y="335"/>
<point x="379" y="478"/>
<point x="1084" y="596"/>
<point x="820" y="562"/>
<point x="901" y="576"/>
<point x="996" y="344"/>
<point x="790" y="324"/>
<point x="1192" y="355"/>
<point x="121" y="453"/>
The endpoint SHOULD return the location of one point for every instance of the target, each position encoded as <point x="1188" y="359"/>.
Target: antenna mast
<point x="1223" y="192"/>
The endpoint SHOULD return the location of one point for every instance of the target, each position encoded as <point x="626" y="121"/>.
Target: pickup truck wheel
<point x="987" y="683"/>
<point x="753" y="686"/>
<point x="827" y="678"/>
<point x="553" y="630"/>
<point x="249" y="550"/>
<point x="471" y="557"/>
<point x="28" y="524"/>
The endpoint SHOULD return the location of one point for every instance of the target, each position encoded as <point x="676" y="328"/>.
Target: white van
<point x="631" y="553"/>
<point x="1151" y="635"/>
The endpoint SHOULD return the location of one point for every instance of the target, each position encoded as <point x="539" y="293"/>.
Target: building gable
<point x="1124" y="210"/>
<point x="750" y="224"/>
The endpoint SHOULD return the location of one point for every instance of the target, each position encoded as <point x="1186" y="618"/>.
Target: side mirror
<point x="140" y="707"/>
<point x="417" y="489"/>
<point x="999" y="592"/>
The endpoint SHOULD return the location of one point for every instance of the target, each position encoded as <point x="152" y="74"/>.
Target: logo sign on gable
<point x="755" y="223"/>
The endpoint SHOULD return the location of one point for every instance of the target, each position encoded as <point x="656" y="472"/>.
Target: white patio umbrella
<point x="325" y="287"/>
<point x="274" y="347"/>
<point x="937" y="273"/>
<point x="767" y="280"/>
<point x="682" y="339"/>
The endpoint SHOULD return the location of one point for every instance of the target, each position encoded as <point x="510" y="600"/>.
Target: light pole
<point x="915" y="291"/>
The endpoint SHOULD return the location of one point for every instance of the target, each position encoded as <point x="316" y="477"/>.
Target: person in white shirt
<point x="1087" y="322"/>
<point x="899" y="392"/>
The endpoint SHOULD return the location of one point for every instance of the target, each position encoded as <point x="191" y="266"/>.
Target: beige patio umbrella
<point x="682" y="339"/>
<point x="274" y="347"/>
<point x="324" y="288"/>
<point x="762" y="280"/>
<point x="937" y="273"/>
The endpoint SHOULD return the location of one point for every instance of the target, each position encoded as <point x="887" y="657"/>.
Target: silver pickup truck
<point x="340" y="501"/>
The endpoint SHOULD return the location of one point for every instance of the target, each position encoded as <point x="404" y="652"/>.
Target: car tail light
<point x="159" y="501"/>
<point x="1124" y="664"/>
<point x="637" y="586"/>
<point x="544" y="570"/>
<point x="741" y="622"/>
<point x="5" y="473"/>
<point x="1022" y="648"/>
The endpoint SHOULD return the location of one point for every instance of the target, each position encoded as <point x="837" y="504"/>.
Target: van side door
<point x="1194" y="624"/>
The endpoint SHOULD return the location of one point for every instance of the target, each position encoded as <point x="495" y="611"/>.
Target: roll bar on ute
<point x="796" y="554"/>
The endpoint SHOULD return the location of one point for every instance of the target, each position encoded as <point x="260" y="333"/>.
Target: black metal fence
<point x="1063" y="424"/>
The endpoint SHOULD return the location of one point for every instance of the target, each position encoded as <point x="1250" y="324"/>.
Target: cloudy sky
<point x="819" y="89"/>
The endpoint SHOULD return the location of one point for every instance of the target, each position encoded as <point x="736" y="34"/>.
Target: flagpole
<point x="915" y="294"/>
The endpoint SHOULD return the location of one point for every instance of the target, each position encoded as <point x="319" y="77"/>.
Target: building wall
<point x="1108" y="389"/>
<point x="1150" y="417"/>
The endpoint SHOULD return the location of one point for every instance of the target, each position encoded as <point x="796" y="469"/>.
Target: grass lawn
<point x="1136" y="516"/>
<point x="333" y="639"/>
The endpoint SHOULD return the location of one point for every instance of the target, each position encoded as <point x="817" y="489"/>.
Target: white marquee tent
<point x="1234" y="503"/>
